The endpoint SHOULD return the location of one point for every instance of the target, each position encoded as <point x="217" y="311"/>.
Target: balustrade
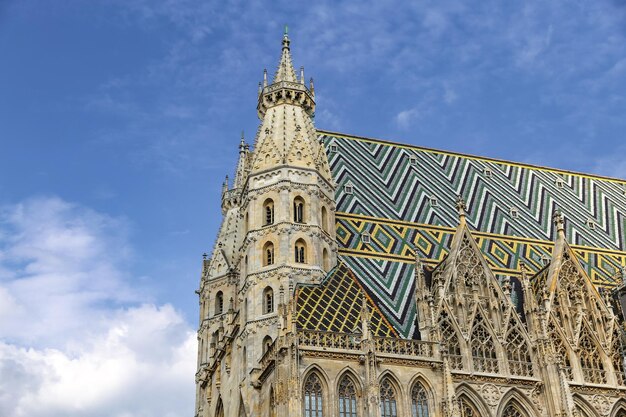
<point x="329" y="340"/>
<point x="403" y="347"/>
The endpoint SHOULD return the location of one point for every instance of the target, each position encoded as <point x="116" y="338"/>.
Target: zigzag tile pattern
<point x="392" y="199"/>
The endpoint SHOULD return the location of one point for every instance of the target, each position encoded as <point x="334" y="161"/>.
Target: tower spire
<point x="285" y="71"/>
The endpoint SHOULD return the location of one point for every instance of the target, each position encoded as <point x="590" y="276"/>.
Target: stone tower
<point x="277" y="232"/>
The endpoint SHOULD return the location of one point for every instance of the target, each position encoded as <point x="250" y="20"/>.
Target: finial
<point x="205" y="255"/>
<point x="461" y="207"/>
<point x="302" y="75"/>
<point x="242" y="143"/>
<point x="225" y="185"/>
<point x="285" y="39"/>
<point x="260" y="88"/>
<point x="265" y="77"/>
<point x="286" y="30"/>
<point x="311" y="88"/>
<point x="557" y="219"/>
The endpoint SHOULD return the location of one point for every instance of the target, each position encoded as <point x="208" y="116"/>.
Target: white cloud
<point x="405" y="118"/>
<point x="76" y="338"/>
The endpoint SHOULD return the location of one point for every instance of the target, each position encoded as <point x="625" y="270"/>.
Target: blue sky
<point x="120" y="118"/>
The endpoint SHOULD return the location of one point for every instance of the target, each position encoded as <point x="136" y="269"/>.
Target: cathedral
<point x="355" y="277"/>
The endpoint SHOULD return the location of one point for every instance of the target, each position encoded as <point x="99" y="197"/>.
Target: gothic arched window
<point x="449" y="337"/>
<point x="313" y="397"/>
<point x="298" y="210"/>
<point x="268" y="300"/>
<point x="511" y="410"/>
<point x="347" y="398"/>
<point x="268" y="254"/>
<point x="483" y="350"/>
<point x="617" y="359"/>
<point x="518" y="353"/>
<point x="419" y="401"/>
<point x="590" y="359"/>
<point x="268" y="212"/>
<point x="300" y="251"/>
<point x="467" y="408"/>
<point x="219" y="303"/>
<point x="388" y="399"/>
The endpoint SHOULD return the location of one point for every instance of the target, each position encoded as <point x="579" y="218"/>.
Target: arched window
<point x="267" y="342"/>
<point x="300" y="251"/>
<point x="511" y="410"/>
<point x="313" y="397"/>
<point x="298" y="210"/>
<point x="518" y="353"/>
<point x="268" y="300"/>
<point x="268" y="212"/>
<point x="450" y="338"/>
<point x="388" y="399"/>
<point x="419" y="401"/>
<point x="324" y="219"/>
<point x="326" y="259"/>
<point x="268" y="254"/>
<point x="590" y="359"/>
<point x="219" y="303"/>
<point x="483" y="349"/>
<point x="347" y="398"/>
<point x="468" y="409"/>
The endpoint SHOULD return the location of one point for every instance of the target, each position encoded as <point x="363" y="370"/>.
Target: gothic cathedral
<point x="355" y="277"/>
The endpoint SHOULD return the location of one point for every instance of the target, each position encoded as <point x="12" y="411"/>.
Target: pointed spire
<point x="461" y="208"/>
<point x="264" y="78"/>
<point x="311" y="88"/>
<point x="302" y="75"/>
<point x="285" y="71"/>
<point x="225" y="185"/>
<point x="242" y="143"/>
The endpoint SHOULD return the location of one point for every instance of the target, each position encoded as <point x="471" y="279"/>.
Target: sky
<point x="120" y="118"/>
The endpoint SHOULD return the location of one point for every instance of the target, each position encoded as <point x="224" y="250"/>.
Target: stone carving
<point x="491" y="394"/>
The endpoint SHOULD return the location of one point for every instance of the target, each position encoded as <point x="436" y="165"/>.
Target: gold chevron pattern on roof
<point x="336" y="304"/>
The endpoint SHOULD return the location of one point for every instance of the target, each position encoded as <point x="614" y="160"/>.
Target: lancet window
<point x="419" y="401"/>
<point x="590" y="359"/>
<point x="268" y="211"/>
<point x="469" y="266"/>
<point x="300" y="251"/>
<point x="388" y="399"/>
<point x="347" y="398"/>
<point x="468" y="409"/>
<point x="219" y="303"/>
<point x="518" y="353"/>
<point x="268" y="300"/>
<point x="268" y="254"/>
<point x="449" y="337"/>
<point x="298" y="210"/>
<point x="313" y="397"/>
<point x="512" y="411"/>
<point x="560" y="351"/>
<point x="483" y="350"/>
<point x="617" y="359"/>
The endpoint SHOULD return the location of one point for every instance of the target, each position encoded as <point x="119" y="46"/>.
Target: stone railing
<point x="520" y="368"/>
<point x="404" y="347"/>
<point x="330" y="340"/>
<point x="595" y="376"/>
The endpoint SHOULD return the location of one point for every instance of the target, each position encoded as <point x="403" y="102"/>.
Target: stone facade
<point x="476" y="352"/>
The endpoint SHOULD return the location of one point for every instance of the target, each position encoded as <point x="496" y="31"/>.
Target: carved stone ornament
<point x="602" y="404"/>
<point x="491" y="394"/>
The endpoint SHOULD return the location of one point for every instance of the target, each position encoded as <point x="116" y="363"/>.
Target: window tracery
<point x="419" y="401"/>
<point x="268" y="210"/>
<point x="298" y="210"/>
<point x="468" y="409"/>
<point x="268" y="300"/>
<point x="560" y="351"/>
<point x="469" y="266"/>
<point x="388" y="400"/>
<point x="313" y="397"/>
<point x="518" y="353"/>
<point x="590" y="359"/>
<point x="617" y="359"/>
<point x="512" y="411"/>
<point x="347" y="398"/>
<point x="300" y="251"/>
<point x="268" y="254"/>
<point x="219" y="303"/>
<point x="483" y="349"/>
<point x="449" y="337"/>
